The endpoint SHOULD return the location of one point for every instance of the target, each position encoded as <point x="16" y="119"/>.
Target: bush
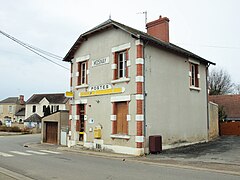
<point x="26" y="131"/>
<point x="10" y="129"/>
<point x="15" y="129"/>
<point x="3" y="128"/>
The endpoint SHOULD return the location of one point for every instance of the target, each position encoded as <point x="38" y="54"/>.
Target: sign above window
<point x="99" y="62"/>
<point x="101" y="90"/>
<point x="100" y="87"/>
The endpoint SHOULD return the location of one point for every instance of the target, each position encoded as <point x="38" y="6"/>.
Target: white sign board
<point x="100" y="87"/>
<point x="99" y="62"/>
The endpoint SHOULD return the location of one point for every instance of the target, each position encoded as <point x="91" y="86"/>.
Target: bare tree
<point x="237" y="89"/>
<point x="220" y="82"/>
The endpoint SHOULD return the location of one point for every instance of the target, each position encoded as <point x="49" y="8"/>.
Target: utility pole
<point x="145" y="13"/>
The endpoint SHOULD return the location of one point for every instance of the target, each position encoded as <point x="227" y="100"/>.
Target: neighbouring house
<point x="55" y="128"/>
<point x="33" y="121"/>
<point x="46" y="104"/>
<point x="229" y="109"/>
<point x="9" y="107"/>
<point x="20" y="115"/>
<point x="230" y="104"/>
<point x="128" y="85"/>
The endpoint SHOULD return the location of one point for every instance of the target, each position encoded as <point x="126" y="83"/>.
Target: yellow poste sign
<point x="102" y="92"/>
<point x="69" y="94"/>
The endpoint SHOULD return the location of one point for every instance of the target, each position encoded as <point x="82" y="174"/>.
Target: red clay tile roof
<point x="231" y="104"/>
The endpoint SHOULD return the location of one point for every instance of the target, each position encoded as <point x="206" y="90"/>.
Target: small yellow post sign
<point x="69" y="94"/>
<point x="102" y="92"/>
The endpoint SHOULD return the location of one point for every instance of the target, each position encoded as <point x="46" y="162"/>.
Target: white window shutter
<point x="190" y="74"/>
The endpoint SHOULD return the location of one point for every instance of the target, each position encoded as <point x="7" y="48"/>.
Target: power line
<point x="36" y="50"/>
<point x="46" y="52"/>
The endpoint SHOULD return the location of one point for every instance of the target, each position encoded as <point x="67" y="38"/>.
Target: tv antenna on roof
<point x="110" y="15"/>
<point x="145" y="13"/>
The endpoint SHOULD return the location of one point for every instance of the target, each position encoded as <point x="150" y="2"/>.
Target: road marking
<point x="5" y="154"/>
<point x="20" y="153"/>
<point x="36" y="152"/>
<point x="52" y="152"/>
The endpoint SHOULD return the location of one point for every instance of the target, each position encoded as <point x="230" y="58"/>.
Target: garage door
<point x="230" y="128"/>
<point x="51" y="132"/>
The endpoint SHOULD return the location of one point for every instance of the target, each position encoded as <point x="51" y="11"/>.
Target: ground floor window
<point x="121" y="117"/>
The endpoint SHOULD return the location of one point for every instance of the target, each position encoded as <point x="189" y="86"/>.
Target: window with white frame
<point x="194" y="75"/>
<point x="82" y="67"/>
<point x="122" y="64"/>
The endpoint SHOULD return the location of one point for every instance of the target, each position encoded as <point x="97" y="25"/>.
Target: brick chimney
<point x="21" y="99"/>
<point x="159" y="28"/>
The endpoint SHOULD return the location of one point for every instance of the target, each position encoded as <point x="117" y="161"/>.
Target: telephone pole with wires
<point x="145" y="13"/>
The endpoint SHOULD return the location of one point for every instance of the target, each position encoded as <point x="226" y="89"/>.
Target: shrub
<point x="15" y="129"/>
<point x="3" y="128"/>
<point x="10" y="129"/>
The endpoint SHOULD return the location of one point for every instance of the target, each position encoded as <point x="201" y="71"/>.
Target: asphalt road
<point x="44" y="165"/>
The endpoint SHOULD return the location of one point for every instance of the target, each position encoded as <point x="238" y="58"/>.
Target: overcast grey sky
<point x="209" y="28"/>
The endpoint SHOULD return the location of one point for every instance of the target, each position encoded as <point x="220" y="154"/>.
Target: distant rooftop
<point x="11" y="100"/>
<point x="21" y="112"/>
<point x="33" y="118"/>
<point x="58" y="98"/>
<point x="231" y="104"/>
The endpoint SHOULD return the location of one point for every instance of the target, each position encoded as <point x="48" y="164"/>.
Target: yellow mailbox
<point x="97" y="133"/>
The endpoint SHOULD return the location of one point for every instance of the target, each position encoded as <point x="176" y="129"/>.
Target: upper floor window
<point x="57" y="108"/>
<point x="194" y="75"/>
<point x="34" y="108"/>
<point x="82" y="69"/>
<point x="122" y="64"/>
<point x="10" y="109"/>
<point x="44" y="108"/>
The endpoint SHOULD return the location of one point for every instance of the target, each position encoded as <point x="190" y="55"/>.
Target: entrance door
<point x="122" y="111"/>
<point x="82" y="128"/>
<point x="51" y="132"/>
